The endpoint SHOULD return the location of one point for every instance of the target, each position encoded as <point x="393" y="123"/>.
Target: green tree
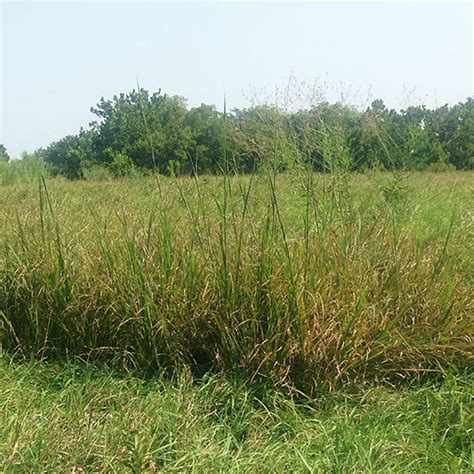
<point x="453" y="128"/>
<point x="68" y="155"/>
<point x="207" y="129"/>
<point x="262" y="138"/>
<point x="4" y="156"/>
<point x="150" y="131"/>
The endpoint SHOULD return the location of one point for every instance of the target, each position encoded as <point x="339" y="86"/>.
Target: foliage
<point x="4" y="156"/>
<point x="68" y="155"/>
<point x="157" y="132"/>
<point x="140" y="130"/>
<point x="206" y="149"/>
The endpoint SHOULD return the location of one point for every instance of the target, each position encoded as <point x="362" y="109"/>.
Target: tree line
<point x="139" y="132"/>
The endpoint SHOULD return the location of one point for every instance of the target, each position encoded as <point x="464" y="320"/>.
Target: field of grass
<point x="296" y="322"/>
<point x="308" y="281"/>
<point x="73" y="418"/>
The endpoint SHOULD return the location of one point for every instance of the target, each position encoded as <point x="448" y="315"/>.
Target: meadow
<point x="351" y="291"/>
<point x="307" y="281"/>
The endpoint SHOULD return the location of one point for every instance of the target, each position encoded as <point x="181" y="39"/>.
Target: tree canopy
<point x="158" y="132"/>
<point x="3" y="154"/>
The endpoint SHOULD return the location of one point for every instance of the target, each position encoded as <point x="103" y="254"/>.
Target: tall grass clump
<point x="295" y="285"/>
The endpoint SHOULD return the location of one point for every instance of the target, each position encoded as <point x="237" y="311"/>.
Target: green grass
<point x="306" y="281"/>
<point x="288" y="323"/>
<point x="74" y="418"/>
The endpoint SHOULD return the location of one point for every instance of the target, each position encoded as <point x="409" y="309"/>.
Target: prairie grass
<point x="309" y="282"/>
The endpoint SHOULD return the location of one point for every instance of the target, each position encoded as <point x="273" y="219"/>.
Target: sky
<point x="58" y="59"/>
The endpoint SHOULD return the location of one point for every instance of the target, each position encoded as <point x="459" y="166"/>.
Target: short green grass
<point x="74" y="418"/>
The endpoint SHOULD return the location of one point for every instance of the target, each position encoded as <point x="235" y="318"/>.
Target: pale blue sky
<point x="58" y="59"/>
